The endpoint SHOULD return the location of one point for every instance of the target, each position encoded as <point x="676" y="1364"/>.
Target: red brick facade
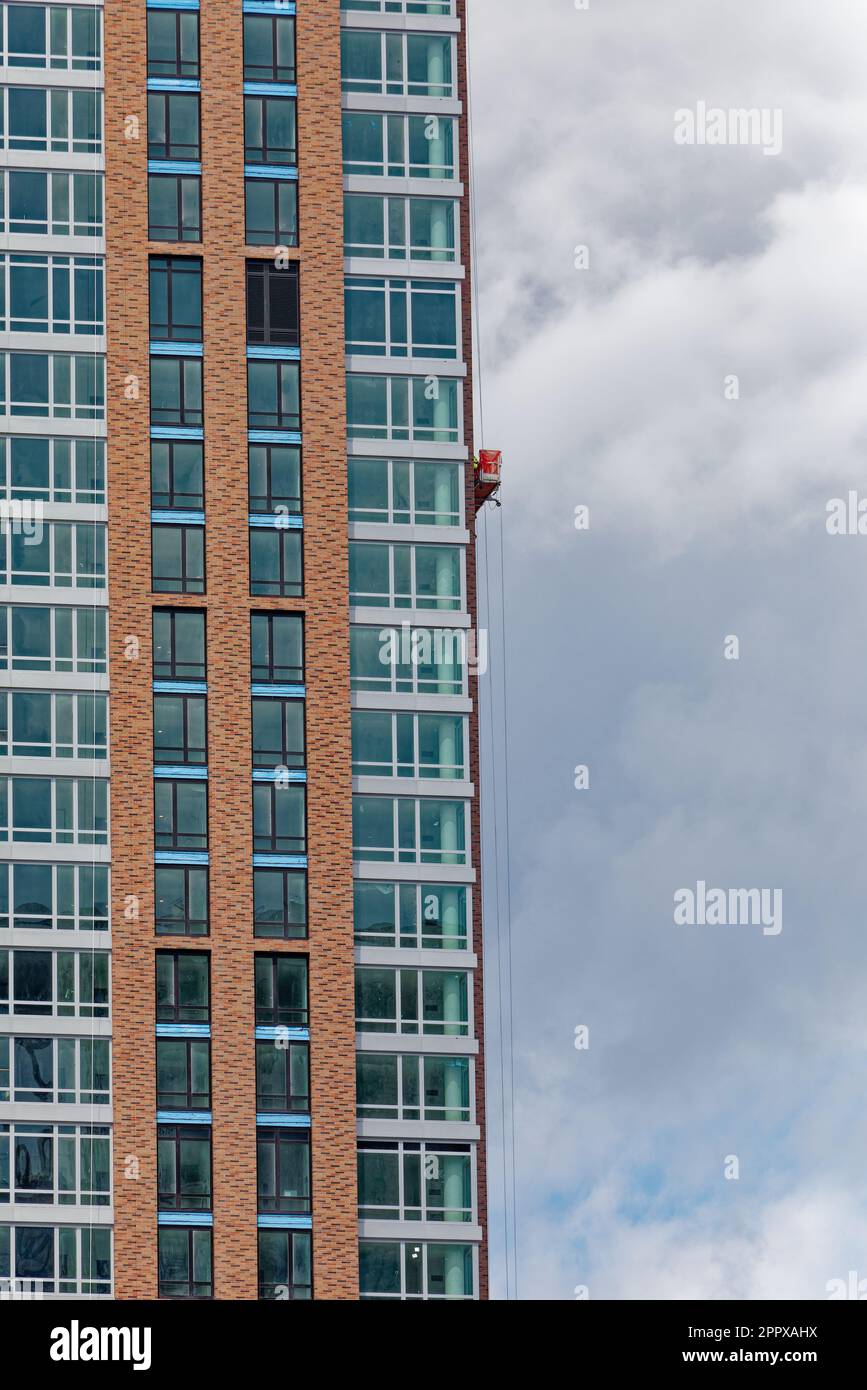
<point x="228" y="606"/>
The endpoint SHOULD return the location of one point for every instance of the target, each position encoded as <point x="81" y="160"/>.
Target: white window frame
<point x="64" y="537"/>
<point x="428" y="1152"/>
<point x="54" y="225"/>
<point x="54" y="62"/>
<point x="66" y="707"/>
<point x="78" y="1007"/>
<point x="417" y="939"/>
<point x="397" y="854"/>
<point x="54" y="664"/>
<point x="405" y="251"/>
<point x="74" y="1138"/>
<point x="410" y="387"/>
<point x="57" y="270"/>
<point x="394" y="639"/>
<point x="70" y="790"/>
<point x="436" y="1114"/>
<point x="418" y="1027"/>
<point x="444" y="8"/>
<point x="391" y="515"/>
<point x="63" y="384"/>
<point x="403" y="168"/>
<point x="412" y="1249"/>
<point x="72" y="1050"/>
<point x="60" y="107"/>
<point x="392" y="288"/>
<point x="77" y="1285"/>
<point x="411" y="600"/>
<point x="394" y="45"/>
<point x="454" y="772"/>
<point x="64" y="468"/>
<point x="70" y="876"/>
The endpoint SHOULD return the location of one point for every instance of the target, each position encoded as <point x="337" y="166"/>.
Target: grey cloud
<point x="605" y="387"/>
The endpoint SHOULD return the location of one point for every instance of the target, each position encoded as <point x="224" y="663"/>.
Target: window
<point x="41" y="724"/>
<point x="63" y="1165"/>
<point x="276" y="647"/>
<point x="52" y="119"/>
<point x="50" y="203"/>
<point x="174" y="206"/>
<point x="412" y="1087"/>
<point x="280" y="903"/>
<point x="179" y="645"/>
<point x="181" y="901"/>
<point x="269" y="48"/>
<point x="399" y="147"/>
<point x="55" y="1071"/>
<point x="272" y="304"/>
<point x="279" y="819"/>
<point x="399" y="229"/>
<point x="276" y="565"/>
<point x="173" y="43"/>
<point x="402" y="408"/>
<point x="68" y="555"/>
<point x="176" y="391"/>
<point x="405" y="492"/>
<point x="176" y="299"/>
<point x="173" y="125"/>
<point x="407" y="1270"/>
<point x="54" y="897"/>
<point x="184" y="1167"/>
<point x="70" y="1260"/>
<point x="57" y="984"/>
<point x="273" y="396"/>
<point x="275" y="478"/>
<point x="52" y="385"/>
<point x="278" y="732"/>
<point x="181" y="814"/>
<point x="183" y="1074"/>
<point x="185" y="1262"/>
<point x="408" y="745"/>
<point x="281" y="991"/>
<point x="431" y="1002"/>
<point x="405" y="831"/>
<point x="53" y="470"/>
<point x="269" y="130"/>
<point x="183" y="987"/>
<point x="53" y="639"/>
<point x="439" y="7"/>
<point x="397" y="64"/>
<point x="54" y="810"/>
<point x="177" y="474"/>
<point x="178" y="559"/>
<point x="59" y="38"/>
<point x="51" y="294"/>
<point x="409" y="660"/>
<point x="282" y="1077"/>
<point x="285" y="1265"/>
<point x="283" y="1162"/>
<point x="401" y="318"/>
<point x="405" y="576"/>
<point x="272" y="212"/>
<point x="415" y="1182"/>
<point x="180" y="729"/>
<point x="426" y="916"/>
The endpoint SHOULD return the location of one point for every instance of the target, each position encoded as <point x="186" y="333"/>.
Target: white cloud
<point x="606" y="387"/>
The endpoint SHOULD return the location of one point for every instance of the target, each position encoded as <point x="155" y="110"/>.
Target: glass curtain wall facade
<point x="56" y="1197"/>
<point x="409" y="407"/>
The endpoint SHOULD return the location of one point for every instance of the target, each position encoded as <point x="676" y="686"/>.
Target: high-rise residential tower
<point x="240" y="914"/>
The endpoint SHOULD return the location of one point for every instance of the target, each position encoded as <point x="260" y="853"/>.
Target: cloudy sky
<point x="606" y="388"/>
